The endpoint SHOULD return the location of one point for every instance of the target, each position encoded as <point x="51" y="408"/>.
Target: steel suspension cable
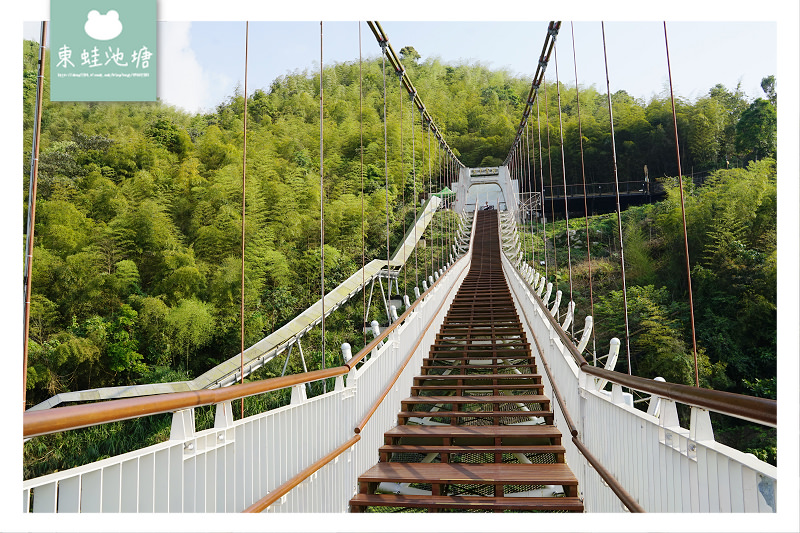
<point x="450" y="221"/>
<point x="531" y="189"/>
<point x="244" y="189"/>
<point x="552" y="189"/>
<point x="31" y="223"/>
<point x="683" y="213"/>
<point x="585" y="204"/>
<point x="544" y="57"/>
<point x="388" y="51"/>
<point x="361" y="152"/>
<point x="414" y="177"/>
<point x="403" y="175"/>
<point x="422" y="127"/>
<point x="522" y="171"/>
<point x="439" y="163"/>
<point x="619" y="209"/>
<point x="564" y="176"/>
<point x="541" y="180"/>
<point x="386" y="175"/>
<point x="439" y="219"/>
<point x="430" y="195"/>
<point x="515" y="164"/>
<point x="322" y="202"/>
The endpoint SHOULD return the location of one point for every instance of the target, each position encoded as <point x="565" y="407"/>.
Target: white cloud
<point x="182" y="82"/>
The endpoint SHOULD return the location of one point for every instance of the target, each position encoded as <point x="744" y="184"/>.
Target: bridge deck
<point x="477" y="432"/>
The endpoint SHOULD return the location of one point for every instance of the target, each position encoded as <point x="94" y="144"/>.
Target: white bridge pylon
<point x="486" y="184"/>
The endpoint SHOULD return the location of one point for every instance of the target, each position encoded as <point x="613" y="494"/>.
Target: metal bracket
<point x="182" y="425"/>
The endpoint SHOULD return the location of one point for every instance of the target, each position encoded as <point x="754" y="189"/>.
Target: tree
<point x="706" y="128"/>
<point x="190" y="326"/>
<point x="769" y="86"/>
<point x="408" y="53"/>
<point x="756" y="131"/>
<point x="733" y="104"/>
<point x="122" y="344"/>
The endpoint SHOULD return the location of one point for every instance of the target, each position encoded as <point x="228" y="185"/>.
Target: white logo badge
<point x="103" y="27"/>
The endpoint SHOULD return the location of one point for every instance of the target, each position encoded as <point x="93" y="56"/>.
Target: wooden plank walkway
<point x="477" y="430"/>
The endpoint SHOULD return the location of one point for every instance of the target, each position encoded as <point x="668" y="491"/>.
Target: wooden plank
<point x="463" y="473"/>
<point x="473" y="431"/>
<point x="522" y="378"/>
<point x="478" y="386"/>
<point x="502" y="398"/>
<point x="462" y="414"/>
<point x="469" y="502"/>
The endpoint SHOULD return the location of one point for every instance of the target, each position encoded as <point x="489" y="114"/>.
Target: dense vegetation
<point x="732" y="230"/>
<point x="138" y="226"/>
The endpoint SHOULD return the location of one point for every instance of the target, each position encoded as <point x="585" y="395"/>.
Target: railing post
<point x="182" y="425"/>
<point x="554" y="310"/>
<point x="700" y="425"/>
<point x="223" y="415"/>
<point x="298" y="394"/>
<point x="668" y="414"/>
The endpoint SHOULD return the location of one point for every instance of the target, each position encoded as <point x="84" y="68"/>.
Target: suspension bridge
<point x="475" y="394"/>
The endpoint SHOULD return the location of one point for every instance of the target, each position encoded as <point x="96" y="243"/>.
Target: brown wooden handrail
<point x="397" y="374"/>
<point x="272" y="497"/>
<point x="754" y="409"/>
<point x="623" y="495"/>
<point x="573" y="429"/>
<point x="35" y="423"/>
<point x="385" y="333"/>
<point x="275" y="495"/>
<point x="610" y="480"/>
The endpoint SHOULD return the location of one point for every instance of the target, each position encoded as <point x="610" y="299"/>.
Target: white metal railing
<point x="229" y="371"/>
<point x="235" y="463"/>
<point x="665" y="467"/>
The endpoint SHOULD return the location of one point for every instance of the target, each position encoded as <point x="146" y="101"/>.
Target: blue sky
<point x="702" y="54"/>
<point x="202" y="62"/>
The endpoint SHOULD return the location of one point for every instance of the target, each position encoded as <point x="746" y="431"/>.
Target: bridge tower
<point x="481" y="184"/>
